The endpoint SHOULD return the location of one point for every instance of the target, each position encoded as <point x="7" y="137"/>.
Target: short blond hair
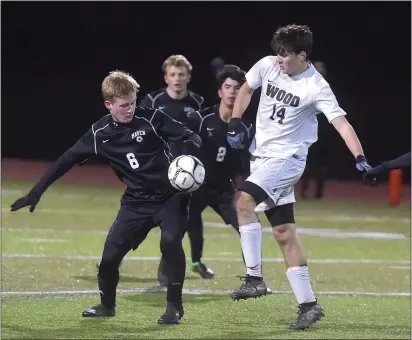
<point x="118" y="84"/>
<point x="177" y="60"/>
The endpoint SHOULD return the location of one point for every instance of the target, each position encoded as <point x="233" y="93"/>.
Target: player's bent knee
<point x="244" y="203"/>
<point x="254" y="192"/>
<point x="283" y="233"/>
<point x="282" y="220"/>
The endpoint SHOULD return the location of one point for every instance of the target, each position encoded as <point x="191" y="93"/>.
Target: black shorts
<point x="134" y="221"/>
<point x="221" y="201"/>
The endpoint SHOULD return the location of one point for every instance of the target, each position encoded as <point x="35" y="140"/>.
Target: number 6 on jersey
<point x="134" y="164"/>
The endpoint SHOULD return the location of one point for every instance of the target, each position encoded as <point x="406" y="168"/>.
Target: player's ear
<point x="302" y="56"/>
<point x="108" y="104"/>
<point x="219" y="92"/>
<point x="165" y="78"/>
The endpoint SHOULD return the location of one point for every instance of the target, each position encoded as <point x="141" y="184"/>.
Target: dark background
<point x="55" y="55"/>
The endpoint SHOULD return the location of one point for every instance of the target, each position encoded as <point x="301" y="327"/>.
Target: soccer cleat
<point x="253" y="287"/>
<point x="99" y="311"/>
<point x="308" y="314"/>
<point x="202" y="270"/>
<point x="172" y="315"/>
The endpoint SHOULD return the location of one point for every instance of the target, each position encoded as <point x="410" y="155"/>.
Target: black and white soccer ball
<point x="186" y="173"/>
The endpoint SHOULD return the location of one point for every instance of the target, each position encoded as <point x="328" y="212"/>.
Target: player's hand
<point x="31" y="199"/>
<point x="235" y="135"/>
<point x="363" y="165"/>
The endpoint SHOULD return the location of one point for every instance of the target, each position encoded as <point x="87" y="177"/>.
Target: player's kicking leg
<point x="251" y="241"/>
<point x="225" y="209"/>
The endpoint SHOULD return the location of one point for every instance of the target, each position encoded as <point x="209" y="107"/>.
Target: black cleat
<point x="202" y="270"/>
<point x="99" y="311"/>
<point x="308" y="314"/>
<point x="172" y="315"/>
<point x="253" y="287"/>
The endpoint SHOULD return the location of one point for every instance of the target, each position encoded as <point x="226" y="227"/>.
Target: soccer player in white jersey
<point x="293" y="93"/>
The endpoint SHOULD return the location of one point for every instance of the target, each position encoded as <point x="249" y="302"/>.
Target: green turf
<point x="66" y="235"/>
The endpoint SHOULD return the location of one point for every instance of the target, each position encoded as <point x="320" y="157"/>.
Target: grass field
<point x="359" y="257"/>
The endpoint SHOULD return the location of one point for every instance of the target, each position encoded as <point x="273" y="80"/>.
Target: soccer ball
<point x="186" y="173"/>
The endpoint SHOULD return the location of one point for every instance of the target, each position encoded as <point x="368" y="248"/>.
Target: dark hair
<point x="293" y="39"/>
<point x="230" y="71"/>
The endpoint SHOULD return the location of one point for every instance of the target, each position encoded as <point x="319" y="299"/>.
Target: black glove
<point x="363" y="165"/>
<point x="235" y="135"/>
<point x="31" y="199"/>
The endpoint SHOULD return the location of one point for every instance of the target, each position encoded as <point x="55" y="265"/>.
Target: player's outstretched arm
<point x="175" y="131"/>
<point x="326" y="102"/>
<point x="83" y="148"/>
<point x="401" y="162"/>
<point x="353" y="143"/>
<point x="348" y="134"/>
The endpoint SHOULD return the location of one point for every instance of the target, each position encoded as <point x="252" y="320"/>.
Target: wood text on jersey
<point x="273" y="91"/>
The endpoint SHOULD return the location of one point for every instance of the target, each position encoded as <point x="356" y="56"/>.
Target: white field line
<point x="220" y="259"/>
<point x="317" y="232"/>
<point x="304" y="218"/>
<point x="102" y="198"/>
<point x="42" y="240"/>
<point x="325" y="232"/>
<point x="401" y="267"/>
<point x="195" y="292"/>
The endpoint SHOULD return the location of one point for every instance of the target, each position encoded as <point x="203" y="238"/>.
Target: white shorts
<point x="276" y="176"/>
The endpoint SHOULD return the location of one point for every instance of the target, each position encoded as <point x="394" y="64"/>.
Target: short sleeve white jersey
<point x="286" y="122"/>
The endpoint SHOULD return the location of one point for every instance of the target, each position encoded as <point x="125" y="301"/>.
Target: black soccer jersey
<point x="222" y="163"/>
<point x="176" y="108"/>
<point x="138" y="152"/>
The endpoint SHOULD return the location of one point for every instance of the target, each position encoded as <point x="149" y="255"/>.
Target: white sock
<point x="300" y="282"/>
<point x="251" y="241"/>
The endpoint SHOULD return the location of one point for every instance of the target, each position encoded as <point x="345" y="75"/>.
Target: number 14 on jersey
<point x="279" y="113"/>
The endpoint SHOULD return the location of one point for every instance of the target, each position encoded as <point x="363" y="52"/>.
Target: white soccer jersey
<point x="286" y="121"/>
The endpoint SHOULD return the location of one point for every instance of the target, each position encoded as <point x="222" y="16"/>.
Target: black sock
<point x="174" y="293"/>
<point x="108" y="278"/>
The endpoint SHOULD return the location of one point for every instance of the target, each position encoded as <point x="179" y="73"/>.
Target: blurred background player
<point x="226" y="168"/>
<point x="175" y="99"/>
<point x="317" y="168"/>
<point x="178" y="102"/>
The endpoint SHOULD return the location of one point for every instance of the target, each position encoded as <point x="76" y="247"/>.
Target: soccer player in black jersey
<point x="175" y="99"/>
<point x="178" y="102"/>
<point x="134" y="141"/>
<point x="226" y="168"/>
